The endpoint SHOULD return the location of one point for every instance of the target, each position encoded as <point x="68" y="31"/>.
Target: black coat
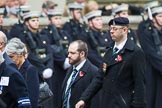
<point x="81" y="82"/>
<point x="15" y="94"/>
<point x="154" y="64"/>
<point x="38" y="44"/>
<point x="123" y="81"/>
<point x="30" y="75"/>
<point x="73" y="28"/>
<point x="59" y="42"/>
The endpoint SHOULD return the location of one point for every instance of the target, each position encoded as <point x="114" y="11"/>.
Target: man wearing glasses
<point x="122" y="74"/>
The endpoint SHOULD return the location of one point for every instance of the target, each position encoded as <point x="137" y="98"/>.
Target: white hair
<point x="16" y="46"/>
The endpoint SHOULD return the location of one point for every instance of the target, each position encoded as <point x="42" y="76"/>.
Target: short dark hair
<point x="82" y="46"/>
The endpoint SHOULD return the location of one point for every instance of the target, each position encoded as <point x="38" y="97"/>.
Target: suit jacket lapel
<point x="82" y="71"/>
<point x="66" y="78"/>
<point x="109" y="58"/>
<point x="129" y="46"/>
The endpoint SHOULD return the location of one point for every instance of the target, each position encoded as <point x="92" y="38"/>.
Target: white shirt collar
<point x="80" y="65"/>
<point x="121" y="45"/>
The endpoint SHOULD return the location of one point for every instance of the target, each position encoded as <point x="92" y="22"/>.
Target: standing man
<point x="122" y="11"/>
<point x="79" y="75"/>
<point x="13" y="89"/>
<point x="2" y="21"/>
<point x="40" y="54"/>
<point x="96" y="39"/>
<point x="59" y="42"/>
<point x="122" y="84"/>
<point x="150" y="38"/>
<point x="74" y="27"/>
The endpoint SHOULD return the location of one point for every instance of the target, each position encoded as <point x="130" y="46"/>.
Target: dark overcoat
<point x="14" y="93"/>
<point x="122" y="81"/>
<point x="154" y="63"/>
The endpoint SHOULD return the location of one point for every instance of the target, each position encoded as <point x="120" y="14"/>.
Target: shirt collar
<point x="121" y="45"/>
<point x="80" y="65"/>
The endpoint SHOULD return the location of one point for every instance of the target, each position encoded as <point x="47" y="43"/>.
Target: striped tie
<point x="115" y="50"/>
<point x="66" y="97"/>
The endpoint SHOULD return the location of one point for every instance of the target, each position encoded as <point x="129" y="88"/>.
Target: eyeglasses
<point x="115" y="28"/>
<point x="2" y="43"/>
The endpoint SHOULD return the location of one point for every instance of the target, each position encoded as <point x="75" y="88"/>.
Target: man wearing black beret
<point x="122" y="74"/>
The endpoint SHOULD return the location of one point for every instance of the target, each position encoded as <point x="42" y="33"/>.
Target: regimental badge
<point x="104" y="66"/>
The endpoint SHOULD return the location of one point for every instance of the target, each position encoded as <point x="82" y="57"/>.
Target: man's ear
<point x="27" y="23"/>
<point x="90" y="23"/>
<point x="125" y="29"/>
<point x="153" y="20"/>
<point x="82" y="53"/>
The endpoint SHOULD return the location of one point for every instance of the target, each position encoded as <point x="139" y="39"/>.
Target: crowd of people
<point x="84" y="65"/>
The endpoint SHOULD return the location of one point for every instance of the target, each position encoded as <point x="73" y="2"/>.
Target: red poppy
<point x="81" y="74"/>
<point x="119" y="58"/>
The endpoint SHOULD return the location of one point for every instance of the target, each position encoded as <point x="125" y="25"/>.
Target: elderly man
<point x="122" y="75"/>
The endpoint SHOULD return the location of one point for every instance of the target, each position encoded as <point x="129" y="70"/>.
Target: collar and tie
<point x="68" y="91"/>
<point x="115" y="50"/>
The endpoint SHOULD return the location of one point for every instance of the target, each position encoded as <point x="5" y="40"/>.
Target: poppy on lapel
<point x="118" y="58"/>
<point x="81" y="73"/>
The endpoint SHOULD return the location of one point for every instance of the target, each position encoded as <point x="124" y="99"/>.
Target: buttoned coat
<point x="122" y="84"/>
<point x="153" y="52"/>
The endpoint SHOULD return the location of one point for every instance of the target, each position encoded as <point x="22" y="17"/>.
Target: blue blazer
<point x="30" y="74"/>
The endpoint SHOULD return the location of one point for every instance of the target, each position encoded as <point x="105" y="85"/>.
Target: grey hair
<point x="16" y="46"/>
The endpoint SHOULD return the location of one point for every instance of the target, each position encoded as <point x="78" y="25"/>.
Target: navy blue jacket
<point x="15" y="93"/>
<point x="30" y="75"/>
<point x="154" y="63"/>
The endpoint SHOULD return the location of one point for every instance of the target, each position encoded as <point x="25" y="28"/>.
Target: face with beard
<point x="74" y="55"/>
